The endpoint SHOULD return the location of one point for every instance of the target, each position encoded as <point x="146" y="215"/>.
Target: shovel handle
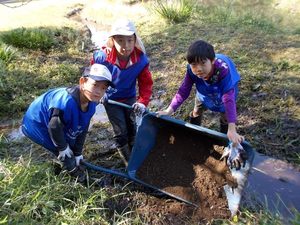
<point x="119" y="104"/>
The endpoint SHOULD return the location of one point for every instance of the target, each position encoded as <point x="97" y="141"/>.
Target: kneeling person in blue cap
<point x="59" y="119"/>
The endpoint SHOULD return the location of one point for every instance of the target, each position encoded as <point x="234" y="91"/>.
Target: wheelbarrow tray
<point x="193" y="145"/>
<point x="147" y="138"/>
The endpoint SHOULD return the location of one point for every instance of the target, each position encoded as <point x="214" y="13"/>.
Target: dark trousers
<point x="199" y="109"/>
<point x="123" y="122"/>
<point x="68" y="164"/>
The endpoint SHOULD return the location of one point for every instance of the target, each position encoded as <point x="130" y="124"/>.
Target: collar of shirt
<point x="220" y="70"/>
<point x="113" y="59"/>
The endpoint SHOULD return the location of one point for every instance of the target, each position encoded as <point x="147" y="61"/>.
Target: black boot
<point x="69" y="164"/>
<point x="124" y="153"/>
<point x="79" y="172"/>
<point x="195" y="120"/>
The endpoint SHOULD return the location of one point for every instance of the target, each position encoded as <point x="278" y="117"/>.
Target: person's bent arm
<point x="166" y="112"/>
<point x="228" y="100"/>
<point x="56" y="130"/>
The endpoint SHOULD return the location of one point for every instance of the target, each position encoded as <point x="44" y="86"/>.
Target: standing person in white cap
<point x="59" y="119"/>
<point x="125" y="53"/>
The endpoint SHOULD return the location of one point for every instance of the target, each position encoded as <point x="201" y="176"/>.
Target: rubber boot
<point x="79" y="173"/>
<point x="69" y="164"/>
<point x="124" y="153"/>
<point x="195" y="120"/>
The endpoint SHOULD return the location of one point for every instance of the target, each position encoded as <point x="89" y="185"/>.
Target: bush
<point x="34" y="39"/>
<point x="176" y="11"/>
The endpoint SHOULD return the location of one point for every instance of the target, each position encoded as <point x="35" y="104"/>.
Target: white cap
<point x="124" y="27"/>
<point x="98" y="72"/>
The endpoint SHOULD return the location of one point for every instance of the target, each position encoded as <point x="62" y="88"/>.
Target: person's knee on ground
<point x="223" y="124"/>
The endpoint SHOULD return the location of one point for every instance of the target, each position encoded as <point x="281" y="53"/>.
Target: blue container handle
<point x="119" y="104"/>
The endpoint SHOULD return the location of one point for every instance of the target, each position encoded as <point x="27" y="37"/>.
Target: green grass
<point x="7" y="53"/>
<point x="176" y="11"/>
<point x="25" y="76"/>
<point x="227" y="15"/>
<point x="31" y="192"/>
<point x="29" y="38"/>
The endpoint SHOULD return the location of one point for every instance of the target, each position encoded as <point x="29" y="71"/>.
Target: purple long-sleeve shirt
<point x="228" y="98"/>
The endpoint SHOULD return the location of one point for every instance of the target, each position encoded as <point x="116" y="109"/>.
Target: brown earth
<point x="190" y="168"/>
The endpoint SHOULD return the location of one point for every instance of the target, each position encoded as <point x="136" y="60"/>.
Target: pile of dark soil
<point x="186" y="164"/>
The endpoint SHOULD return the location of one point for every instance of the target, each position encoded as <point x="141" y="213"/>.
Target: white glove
<point x="78" y="159"/>
<point x="62" y="154"/>
<point x="138" y="108"/>
<point x="236" y="156"/>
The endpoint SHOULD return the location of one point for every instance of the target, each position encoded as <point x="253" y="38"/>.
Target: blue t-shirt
<point x="124" y="80"/>
<point x="38" y="115"/>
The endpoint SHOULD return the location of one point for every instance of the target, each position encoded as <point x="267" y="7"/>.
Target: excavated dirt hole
<point x="184" y="162"/>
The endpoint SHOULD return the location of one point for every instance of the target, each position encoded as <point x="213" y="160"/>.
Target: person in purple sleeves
<point x="216" y="80"/>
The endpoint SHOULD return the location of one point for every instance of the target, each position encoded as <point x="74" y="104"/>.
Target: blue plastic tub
<point x="146" y="139"/>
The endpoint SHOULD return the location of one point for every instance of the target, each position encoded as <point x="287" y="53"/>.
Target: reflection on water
<point x="16" y="134"/>
<point x="275" y="184"/>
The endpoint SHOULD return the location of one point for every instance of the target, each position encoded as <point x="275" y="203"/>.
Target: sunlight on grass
<point x="227" y="15"/>
<point x="32" y="193"/>
<point x="7" y="53"/>
<point x="36" y="14"/>
<point x="174" y="11"/>
<point x="29" y="38"/>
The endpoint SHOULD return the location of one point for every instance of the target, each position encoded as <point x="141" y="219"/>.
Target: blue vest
<point x="211" y="94"/>
<point x="37" y="117"/>
<point x="123" y="79"/>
